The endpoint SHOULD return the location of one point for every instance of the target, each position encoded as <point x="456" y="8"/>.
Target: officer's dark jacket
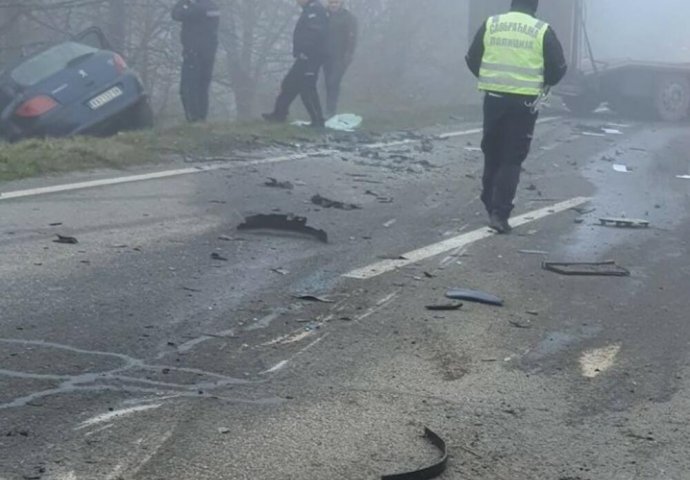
<point x="200" y="20"/>
<point x="555" y="65"/>
<point x="311" y="33"/>
<point x="342" y="36"/>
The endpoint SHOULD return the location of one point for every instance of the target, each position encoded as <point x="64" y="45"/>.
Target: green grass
<point x="33" y="158"/>
<point x="37" y="157"/>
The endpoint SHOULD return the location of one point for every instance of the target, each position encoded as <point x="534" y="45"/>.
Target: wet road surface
<point x="136" y="355"/>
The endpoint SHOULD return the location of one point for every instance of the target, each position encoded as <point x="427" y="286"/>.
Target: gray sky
<point x="640" y="29"/>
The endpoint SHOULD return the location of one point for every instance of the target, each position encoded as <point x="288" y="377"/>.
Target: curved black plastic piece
<point x="427" y="473"/>
<point x="474" y="296"/>
<point x="282" y="222"/>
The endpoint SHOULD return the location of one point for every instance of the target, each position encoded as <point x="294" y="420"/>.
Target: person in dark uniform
<point x="200" y="20"/>
<point x="342" y="42"/>
<point x="309" y="51"/>
<point x="517" y="58"/>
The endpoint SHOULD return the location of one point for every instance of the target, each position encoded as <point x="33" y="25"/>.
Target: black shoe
<point x="273" y="118"/>
<point x="500" y="224"/>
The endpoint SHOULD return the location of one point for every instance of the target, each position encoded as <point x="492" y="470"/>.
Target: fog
<point x="410" y="53"/>
<point x="640" y="29"/>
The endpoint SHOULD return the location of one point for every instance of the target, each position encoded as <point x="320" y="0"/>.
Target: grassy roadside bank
<point x="33" y="158"/>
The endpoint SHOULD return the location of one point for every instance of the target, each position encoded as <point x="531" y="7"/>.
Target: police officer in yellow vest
<point x="516" y="57"/>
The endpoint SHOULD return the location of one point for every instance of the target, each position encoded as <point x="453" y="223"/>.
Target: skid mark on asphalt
<point x="133" y="466"/>
<point x="595" y="362"/>
<point x="115" y="379"/>
<point x="34" y="192"/>
<point x="458" y="242"/>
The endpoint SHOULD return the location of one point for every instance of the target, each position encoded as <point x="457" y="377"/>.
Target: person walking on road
<point x="516" y="58"/>
<point x="309" y="51"/>
<point x="342" y="42"/>
<point x="200" y="21"/>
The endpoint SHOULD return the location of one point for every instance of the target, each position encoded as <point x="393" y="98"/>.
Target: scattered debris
<point x="218" y="256"/>
<point x="289" y="223"/>
<point x="474" y="296"/>
<point x="584" y="210"/>
<point x="473" y="149"/>
<point x="280" y="271"/>
<point x="444" y="308"/>
<point x="66" y="240"/>
<point x="328" y="203"/>
<point x="624" y="222"/>
<point x="308" y="297"/>
<point x="274" y="183"/>
<point x="427" y="145"/>
<point x="379" y="198"/>
<point x="430" y="472"/>
<point x="611" y="131"/>
<point x="600" y="269"/>
<point x="683" y="177"/>
<point x="429" y="275"/>
<point x="533" y="252"/>
<point x="223" y="430"/>
<point x="55" y="224"/>
<point x="390" y="223"/>
<point x="190" y="289"/>
<point x="523" y="325"/>
<point x="621" y="168"/>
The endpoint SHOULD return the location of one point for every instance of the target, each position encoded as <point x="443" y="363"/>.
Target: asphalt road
<point x="135" y="355"/>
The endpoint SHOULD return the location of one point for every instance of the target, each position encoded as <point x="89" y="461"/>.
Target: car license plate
<point x="105" y="98"/>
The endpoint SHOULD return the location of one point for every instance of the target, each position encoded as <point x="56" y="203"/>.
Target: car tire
<point x="672" y="99"/>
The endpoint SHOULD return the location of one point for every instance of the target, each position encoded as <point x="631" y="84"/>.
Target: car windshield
<point x="48" y="63"/>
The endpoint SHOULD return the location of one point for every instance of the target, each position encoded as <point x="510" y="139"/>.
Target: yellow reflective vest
<point x="513" y="55"/>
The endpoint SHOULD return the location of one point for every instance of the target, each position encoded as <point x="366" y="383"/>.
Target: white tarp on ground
<point x="345" y="122"/>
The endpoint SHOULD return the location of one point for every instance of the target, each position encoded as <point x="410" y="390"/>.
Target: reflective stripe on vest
<point x="513" y="55"/>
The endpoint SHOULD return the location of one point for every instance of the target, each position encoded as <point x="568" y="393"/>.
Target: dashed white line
<point x="460" y="241"/>
<point x="69" y="187"/>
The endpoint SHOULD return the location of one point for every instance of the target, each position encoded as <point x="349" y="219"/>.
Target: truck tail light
<point x="36" y="107"/>
<point x="120" y="64"/>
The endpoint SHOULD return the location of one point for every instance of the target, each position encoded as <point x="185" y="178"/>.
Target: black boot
<point x="500" y="224"/>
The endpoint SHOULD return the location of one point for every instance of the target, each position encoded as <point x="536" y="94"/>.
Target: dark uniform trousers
<point x="334" y="72"/>
<point x="301" y="80"/>
<point x="508" y="129"/>
<point x="197" y="74"/>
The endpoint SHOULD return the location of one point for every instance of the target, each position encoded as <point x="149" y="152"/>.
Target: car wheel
<point x="672" y="98"/>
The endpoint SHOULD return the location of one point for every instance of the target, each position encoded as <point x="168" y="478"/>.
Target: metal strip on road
<point x="69" y="187"/>
<point x="460" y="241"/>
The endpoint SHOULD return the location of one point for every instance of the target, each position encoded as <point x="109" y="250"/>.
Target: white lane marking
<point x="460" y="241"/>
<point x="106" y="417"/>
<point x="595" y="362"/>
<point x="278" y="366"/>
<point x="69" y="187"/>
